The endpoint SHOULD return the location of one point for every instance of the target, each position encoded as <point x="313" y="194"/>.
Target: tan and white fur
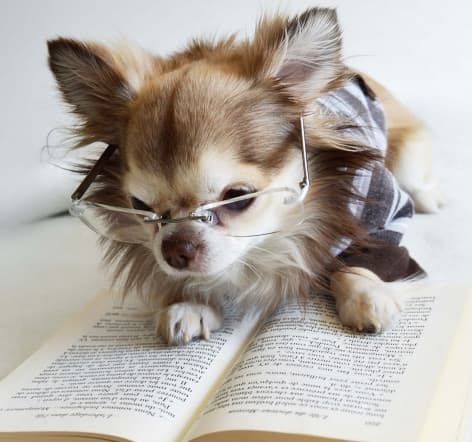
<point x="223" y="115"/>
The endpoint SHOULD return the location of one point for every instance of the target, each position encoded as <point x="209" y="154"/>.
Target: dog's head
<point x="215" y="121"/>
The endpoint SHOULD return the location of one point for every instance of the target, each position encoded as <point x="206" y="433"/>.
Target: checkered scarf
<point x="388" y="209"/>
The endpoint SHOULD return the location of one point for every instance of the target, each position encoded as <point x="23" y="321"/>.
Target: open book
<point x="300" y="376"/>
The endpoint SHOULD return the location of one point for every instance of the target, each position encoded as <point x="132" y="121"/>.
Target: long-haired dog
<point x="259" y="169"/>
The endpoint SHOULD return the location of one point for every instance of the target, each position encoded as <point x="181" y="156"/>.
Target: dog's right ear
<point x="302" y="53"/>
<point x="98" y="84"/>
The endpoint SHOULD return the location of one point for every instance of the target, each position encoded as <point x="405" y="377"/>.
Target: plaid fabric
<point x="389" y="208"/>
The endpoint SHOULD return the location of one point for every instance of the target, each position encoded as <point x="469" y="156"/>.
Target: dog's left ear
<point x="303" y="53"/>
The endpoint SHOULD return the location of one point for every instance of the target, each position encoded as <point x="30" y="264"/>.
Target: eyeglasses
<point x="240" y="216"/>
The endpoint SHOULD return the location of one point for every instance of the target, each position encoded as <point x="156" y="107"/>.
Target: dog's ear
<point x="98" y="84"/>
<point x="303" y="53"/>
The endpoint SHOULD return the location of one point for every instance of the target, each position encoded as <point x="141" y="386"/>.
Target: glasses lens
<point x="112" y="224"/>
<point x="267" y="213"/>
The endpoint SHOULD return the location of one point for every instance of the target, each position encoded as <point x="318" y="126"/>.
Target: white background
<point x="419" y="49"/>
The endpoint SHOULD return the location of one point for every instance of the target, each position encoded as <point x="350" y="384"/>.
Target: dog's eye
<point x="140" y="205"/>
<point x="237" y="206"/>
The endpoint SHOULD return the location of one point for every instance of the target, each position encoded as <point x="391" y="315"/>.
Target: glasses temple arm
<point x="94" y="171"/>
<point x="305" y="182"/>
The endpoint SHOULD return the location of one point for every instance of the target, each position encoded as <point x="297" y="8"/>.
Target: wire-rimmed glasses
<point x="135" y="226"/>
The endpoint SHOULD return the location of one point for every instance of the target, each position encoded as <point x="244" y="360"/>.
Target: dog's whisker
<point x="250" y="267"/>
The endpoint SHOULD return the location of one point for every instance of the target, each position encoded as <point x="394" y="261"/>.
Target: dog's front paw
<point x="373" y="310"/>
<point x="181" y="322"/>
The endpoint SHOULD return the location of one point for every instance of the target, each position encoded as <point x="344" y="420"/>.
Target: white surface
<point x="48" y="269"/>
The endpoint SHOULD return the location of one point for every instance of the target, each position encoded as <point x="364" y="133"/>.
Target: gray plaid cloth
<point x="389" y="208"/>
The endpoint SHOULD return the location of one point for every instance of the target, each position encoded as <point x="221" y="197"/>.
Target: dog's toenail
<point x="371" y="329"/>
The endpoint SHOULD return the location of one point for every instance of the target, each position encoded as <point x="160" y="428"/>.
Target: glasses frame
<point x="201" y="213"/>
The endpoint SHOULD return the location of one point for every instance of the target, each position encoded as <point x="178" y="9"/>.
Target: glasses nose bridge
<point x="184" y="214"/>
<point x="175" y="213"/>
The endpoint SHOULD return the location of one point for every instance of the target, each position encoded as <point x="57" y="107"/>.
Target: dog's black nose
<point x="179" y="252"/>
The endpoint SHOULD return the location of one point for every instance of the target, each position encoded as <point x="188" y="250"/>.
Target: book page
<point x="305" y="373"/>
<point x="450" y="412"/>
<point x="107" y="373"/>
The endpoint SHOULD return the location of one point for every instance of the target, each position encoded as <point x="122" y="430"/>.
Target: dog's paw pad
<point x="370" y="311"/>
<point x="184" y="321"/>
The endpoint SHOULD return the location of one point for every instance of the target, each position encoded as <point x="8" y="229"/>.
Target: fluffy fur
<point x="236" y="104"/>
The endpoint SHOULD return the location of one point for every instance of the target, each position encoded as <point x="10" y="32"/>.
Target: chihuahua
<point x="258" y="169"/>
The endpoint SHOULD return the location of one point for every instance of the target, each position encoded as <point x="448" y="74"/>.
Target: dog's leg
<point x="181" y="322"/>
<point x="412" y="167"/>
<point x="364" y="302"/>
